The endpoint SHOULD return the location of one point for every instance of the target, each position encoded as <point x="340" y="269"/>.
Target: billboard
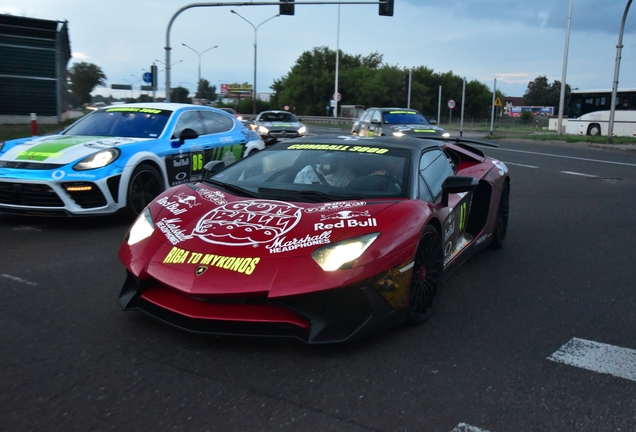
<point x="236" y="89"/>
<point x="515" y="111"/>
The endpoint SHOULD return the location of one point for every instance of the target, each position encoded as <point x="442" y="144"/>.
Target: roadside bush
<point x="527" y="117"/>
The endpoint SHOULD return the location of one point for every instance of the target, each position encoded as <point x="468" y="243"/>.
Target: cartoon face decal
<point x="248" y="222"/>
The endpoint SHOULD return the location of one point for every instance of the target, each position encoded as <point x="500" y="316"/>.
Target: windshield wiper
<point x="233" y="188"/>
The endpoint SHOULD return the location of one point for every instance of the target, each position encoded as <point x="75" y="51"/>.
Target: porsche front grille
<point x="29" y="194"/>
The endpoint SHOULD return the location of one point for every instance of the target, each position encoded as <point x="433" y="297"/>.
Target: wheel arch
<point x="142" y="158"/>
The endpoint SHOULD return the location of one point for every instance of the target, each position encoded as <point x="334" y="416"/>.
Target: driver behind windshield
<point x="331" y="170"/>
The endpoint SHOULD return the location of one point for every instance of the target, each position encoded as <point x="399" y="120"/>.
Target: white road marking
<point x="578" y="174"/>
<point x="521" y="165"/>
<point x="567" y="157"/>
<point x="463" y="427"/>
<point x="598" y="357"/>
<point x="18" y="279"/>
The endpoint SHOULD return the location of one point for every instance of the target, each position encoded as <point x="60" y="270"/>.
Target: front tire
<point x="144" y="186"/>
<point x="427" y="277"/>
<point x="594" y="130"/>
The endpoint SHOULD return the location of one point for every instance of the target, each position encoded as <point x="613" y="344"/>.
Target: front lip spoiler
<point x="322" y="326"/>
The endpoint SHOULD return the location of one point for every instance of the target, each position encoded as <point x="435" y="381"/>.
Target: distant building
<point x="34" y="54"/>
<point x="512" y="101"/>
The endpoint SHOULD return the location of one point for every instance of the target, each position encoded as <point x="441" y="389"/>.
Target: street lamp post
<point x="163" y="70"/>
<point x="255" y="48"/>
<point x="617" y="66"/>
<point x="199" y="54"/>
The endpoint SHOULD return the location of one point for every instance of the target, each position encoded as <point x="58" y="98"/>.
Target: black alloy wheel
<point x="427" y="277"/>
<point x="499" y="235"/>
<point x="144" y="186"/>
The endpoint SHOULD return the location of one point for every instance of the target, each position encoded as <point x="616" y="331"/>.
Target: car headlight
<point x="142" y="228"/>
<point x="398" y="134"/>
<point x="446" y="135"/>
<point x="302" y="130"/>
<point x="342" y="255"/>
<point x="263" y="130"/>
<point x="97" y="160"/>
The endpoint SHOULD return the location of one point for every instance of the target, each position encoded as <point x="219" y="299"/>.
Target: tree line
<point x="362" y="80"/>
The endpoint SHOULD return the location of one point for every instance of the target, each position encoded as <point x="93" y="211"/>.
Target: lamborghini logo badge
<point x="200" y="270"/>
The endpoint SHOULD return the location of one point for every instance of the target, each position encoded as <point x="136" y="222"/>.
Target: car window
<point x="376" y="116"/>
<point x="282" y="117"/>
<point x="434" y="169"/>
<point x="133" y="122"/>
<point x="188" y="119"/>
<point x="366" y="116"/>
<point x="214" y="122"/>
<point x="404" y="117"/>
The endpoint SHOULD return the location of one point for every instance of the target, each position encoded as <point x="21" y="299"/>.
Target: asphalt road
<point x="72" y="360"/>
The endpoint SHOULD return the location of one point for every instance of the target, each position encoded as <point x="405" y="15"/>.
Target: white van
<point x="597" y="123"/>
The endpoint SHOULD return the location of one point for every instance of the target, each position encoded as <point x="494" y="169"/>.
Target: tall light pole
<point x="255" y="48"/>
<point x="163" y="70"/>
<point x="617" y="66"/>
<point x="199" y="54"/>
<point x="564" y="71"/>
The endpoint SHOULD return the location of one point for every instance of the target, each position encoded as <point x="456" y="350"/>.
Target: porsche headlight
<point x="398" y="134"/>
<point x="446" y="135"/>
<point x="97" y="160"/>
<point x="141" y="229"/>
<point x="263" y="130"/>
<point x="342" y="255"/>
<point x="302" y="130"/>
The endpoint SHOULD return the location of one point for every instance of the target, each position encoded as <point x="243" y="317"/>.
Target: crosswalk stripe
<point x="463" y="427"/>
<point x="598" y="357"/>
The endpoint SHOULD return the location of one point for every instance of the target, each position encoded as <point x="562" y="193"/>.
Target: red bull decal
<point x="346" y="219"/>
<point x="248" y="222"/>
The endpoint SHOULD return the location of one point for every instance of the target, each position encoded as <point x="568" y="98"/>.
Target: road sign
<point x="147" y="77"/>
<point x="497" y="102"/>
<point x="451" y="103"/>
<point x="337" y="96"/>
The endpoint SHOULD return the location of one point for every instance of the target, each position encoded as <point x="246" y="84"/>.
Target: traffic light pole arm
<point x="168" y="48"/>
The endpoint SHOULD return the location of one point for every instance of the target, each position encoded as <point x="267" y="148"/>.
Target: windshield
<point x="404" y="117"/>
<point x="132" y="122"/>
<point x="278" y="117"/>
<point x="320" y="173"/>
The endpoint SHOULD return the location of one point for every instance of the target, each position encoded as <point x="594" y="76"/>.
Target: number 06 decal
<point x="197" y="162"/>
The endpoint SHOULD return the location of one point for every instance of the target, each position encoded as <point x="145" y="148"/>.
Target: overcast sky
<point x="514" y="41"/>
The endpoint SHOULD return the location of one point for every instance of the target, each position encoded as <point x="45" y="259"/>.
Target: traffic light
<point x="386" y="8"/>
<point x="286" y="7"/>
<point x="153" y="72"/>
<point x="406" y="84"/>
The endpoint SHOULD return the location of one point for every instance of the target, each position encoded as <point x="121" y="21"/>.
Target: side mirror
<point x="457" y="184"/>
<point x="212" y="168"/>
<point x="375" y="122"/>
<point x="186" y="134"/>
<point x="432" y="121"/>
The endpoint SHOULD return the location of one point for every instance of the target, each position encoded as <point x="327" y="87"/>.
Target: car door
<point x="219" y="139"/>
<point x="365" y="123"/>
<point x="375" y="124"/>
<point x="435" y="167"/>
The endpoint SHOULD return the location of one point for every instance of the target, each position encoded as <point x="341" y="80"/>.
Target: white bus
<point x="597" y="123"/>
